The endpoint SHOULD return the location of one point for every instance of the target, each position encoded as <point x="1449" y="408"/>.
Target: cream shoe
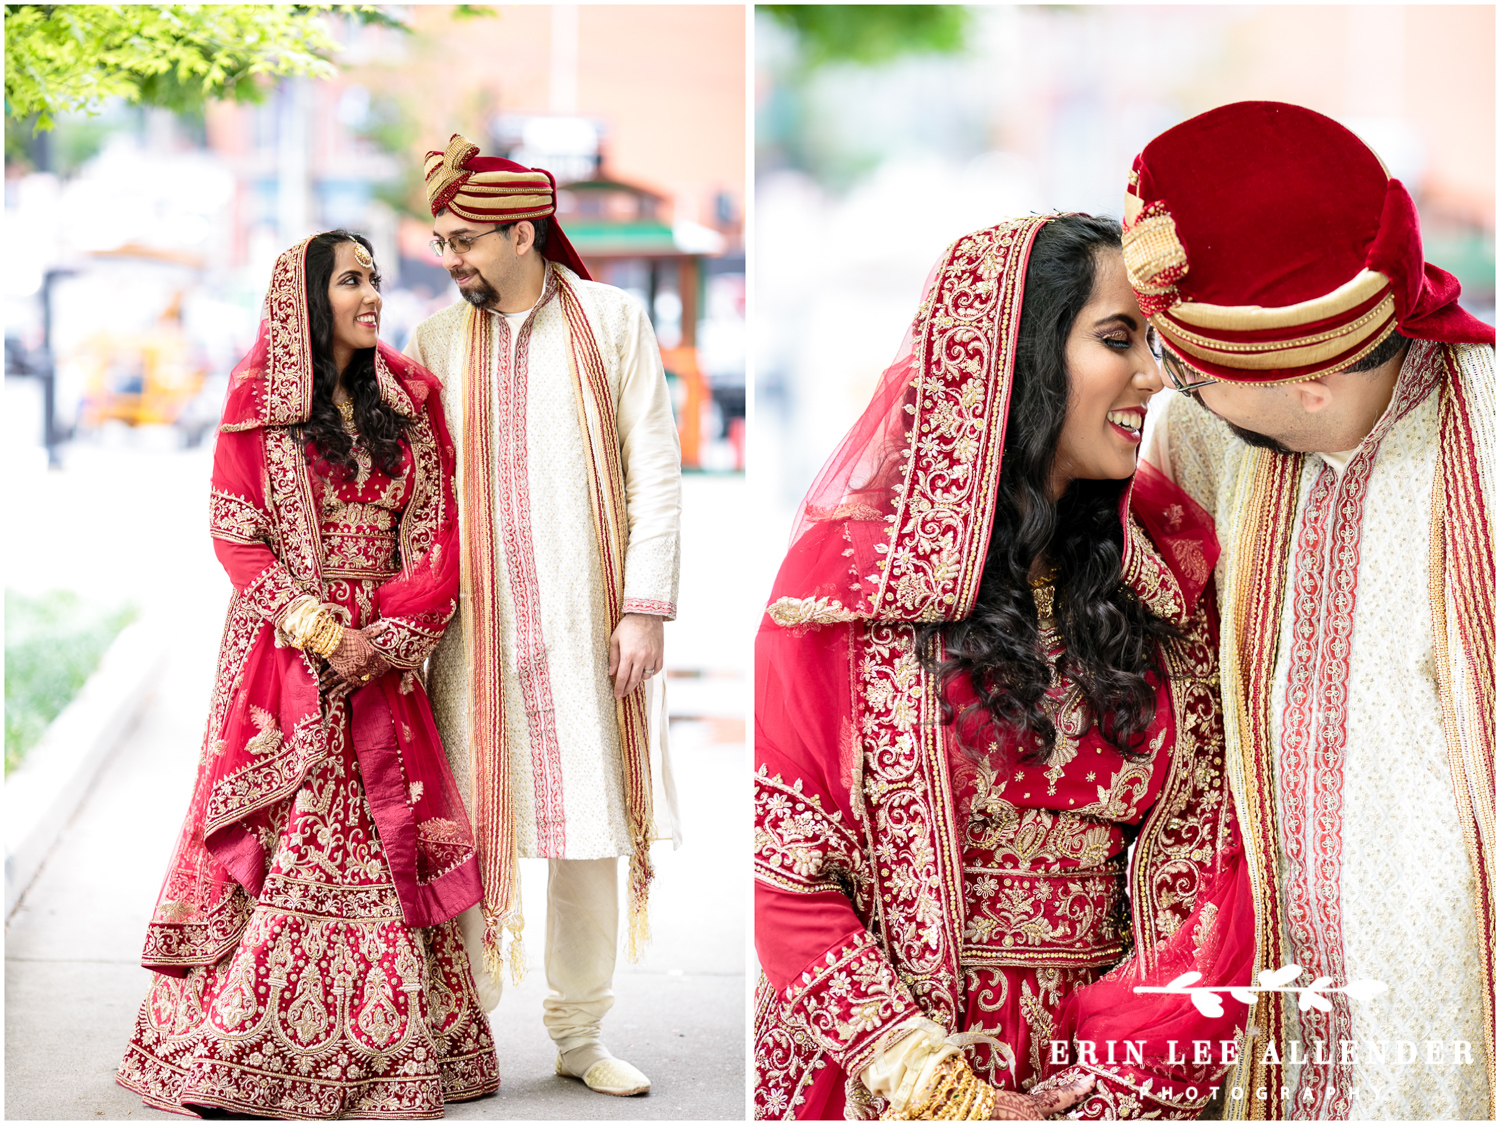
<point x="602" y="1072"/>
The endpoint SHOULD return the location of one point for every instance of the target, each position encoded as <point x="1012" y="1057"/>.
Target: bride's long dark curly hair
<point x="1112" y="643"/>
<point x="380" y="428"/>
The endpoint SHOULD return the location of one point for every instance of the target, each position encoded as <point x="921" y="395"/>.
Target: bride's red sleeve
<point x="414" y="607"/>
<point x="241" y="525"/>
<point x="812" y="872"/>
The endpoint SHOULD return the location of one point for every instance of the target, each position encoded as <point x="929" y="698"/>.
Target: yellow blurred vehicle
<point x="143" y="378"/>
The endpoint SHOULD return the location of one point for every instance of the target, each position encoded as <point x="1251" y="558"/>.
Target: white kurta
<point x="1406" y="888"/>
<point x="566" y="773"/>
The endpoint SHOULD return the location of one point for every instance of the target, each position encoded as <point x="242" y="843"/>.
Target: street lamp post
<point x="44" y="368"/>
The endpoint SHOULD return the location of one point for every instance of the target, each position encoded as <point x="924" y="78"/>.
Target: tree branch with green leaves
<point x="69" y="57"/>
<point x="870" y="34"/>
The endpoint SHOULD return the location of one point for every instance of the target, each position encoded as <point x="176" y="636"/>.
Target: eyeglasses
<point x="459" y="244"/>
<point x="1180" y="374"/>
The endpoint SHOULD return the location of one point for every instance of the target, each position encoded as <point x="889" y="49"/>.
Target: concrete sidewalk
<point x="73" y="984"/>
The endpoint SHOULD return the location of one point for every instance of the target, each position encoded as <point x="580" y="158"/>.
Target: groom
<point x="569" y="494"/>
<point x="1340" y="431"/>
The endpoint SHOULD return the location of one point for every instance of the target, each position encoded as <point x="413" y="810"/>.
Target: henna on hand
<point x="356" y="661"/>
<point x="1012" y="1105"/>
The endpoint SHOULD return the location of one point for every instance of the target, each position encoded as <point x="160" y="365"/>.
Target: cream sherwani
<point x="1405" y="889"/>
<point x="565" y="767"/>
<point x="559" y="703"/>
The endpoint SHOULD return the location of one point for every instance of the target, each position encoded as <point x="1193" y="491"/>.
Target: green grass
<point x="53" y="643"/>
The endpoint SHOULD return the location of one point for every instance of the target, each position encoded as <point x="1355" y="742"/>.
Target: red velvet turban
<point x="1267" y="244"/>
<point x="486" y="189"/>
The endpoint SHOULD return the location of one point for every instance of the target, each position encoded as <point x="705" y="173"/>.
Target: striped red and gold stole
<point x="1462" y="574"/>
<point x="1462" y="591"/>
<point x="489" y="751"/>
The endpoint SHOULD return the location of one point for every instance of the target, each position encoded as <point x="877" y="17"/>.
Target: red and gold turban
<point x="486" y="189"/>
<point x="1267" y="244"/>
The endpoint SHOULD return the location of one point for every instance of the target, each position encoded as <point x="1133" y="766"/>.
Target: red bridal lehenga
<point x="307" y="961"/>
<point x="898" y="881"/>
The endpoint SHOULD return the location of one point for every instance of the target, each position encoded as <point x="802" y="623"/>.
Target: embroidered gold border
<point x="1473" y="790"/>
<point x="1103" y="955"/>
<point x="788" y="612"/>
<point x="963" y="354"/>
<point x="1268" y="485"/>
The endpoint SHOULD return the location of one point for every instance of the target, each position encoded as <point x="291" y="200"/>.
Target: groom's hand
<point x="634" y="651"/>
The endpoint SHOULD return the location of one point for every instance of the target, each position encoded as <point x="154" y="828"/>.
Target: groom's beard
<point x="1249" y="437"/>
<point x="481" y="295"/>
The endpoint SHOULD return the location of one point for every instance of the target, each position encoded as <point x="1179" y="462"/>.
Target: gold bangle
<point x="333" y="636"/>
<point x="984" y="1108"/>
<point x="323" y="638"/>
<point x="958" y="1094"/>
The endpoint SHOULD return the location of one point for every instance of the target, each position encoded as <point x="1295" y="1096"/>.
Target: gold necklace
<point x="346" y="411"/>
<point x="1043" y="591"/>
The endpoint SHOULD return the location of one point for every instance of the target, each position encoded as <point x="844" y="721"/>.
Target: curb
<point x="45" y="791"/>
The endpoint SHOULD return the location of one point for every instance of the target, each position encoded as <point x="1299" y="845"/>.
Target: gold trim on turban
<point x="1154" y="255"/>
<point x="450" y="165"/>
<point x="1276" y="355"/>
<point x="497" y="195"/>
<point x="1251" y="318"/>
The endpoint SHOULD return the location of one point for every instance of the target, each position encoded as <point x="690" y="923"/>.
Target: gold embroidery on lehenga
<point x="342" y="971"/>
<point x="1036" y="1008"/>
<point x="268" y="741"/>
<point x="307" y="1016"/>
<point x="789" y="612"/>
<point x="1129" y="785"/>
<point x="236" y="1004"/>
<point x="378" y="1017"/>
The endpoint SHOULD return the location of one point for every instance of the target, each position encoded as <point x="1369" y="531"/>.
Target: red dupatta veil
<point x="268" y="724"/>
<point x="892" y="534"/>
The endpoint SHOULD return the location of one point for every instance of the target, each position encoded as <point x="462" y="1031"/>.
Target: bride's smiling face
<point x="354" y="299"/>
<point x="1112" y="374"/>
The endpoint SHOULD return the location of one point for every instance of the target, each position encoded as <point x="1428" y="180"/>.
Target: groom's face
<point x="1256" y="414"/>
<point x="488" y="267"/>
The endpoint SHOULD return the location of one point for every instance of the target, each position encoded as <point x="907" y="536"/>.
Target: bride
<point x="307" y="964"/>
<point x="986" y="675"/>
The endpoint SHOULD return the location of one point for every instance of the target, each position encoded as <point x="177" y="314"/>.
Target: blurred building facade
<point x="1044" y="109"/>
<point x="187" y="216"/>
